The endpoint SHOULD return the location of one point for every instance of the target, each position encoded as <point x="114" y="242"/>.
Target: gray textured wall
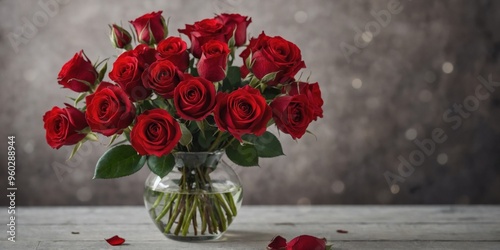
<point x="377" y="100"/>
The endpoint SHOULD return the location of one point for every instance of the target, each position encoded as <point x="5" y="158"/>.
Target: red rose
<point x="238" y="22"/>
<point x="243" y="111"/>
<point x="306" y="242"/>
<point x="213" y="62"/>
<point x="109" y="109"/>
<point x="120" y="37"/>
<point x="162" y="77"/>
<point x="313" y="93"/>
<point x="202" y="32"/>
<point x="144" y="54"/>
<point x="273" y="54"/>
<point x="150" y="28"/>
<point x="194" y="98"/>
<point x="292" y="114"/>
<point x="62" y="126"/>
<point x="76" y="72"/>
<point x="127" y="71"/>
<point x="174" y="50"/>
<point x="156" y="132"/>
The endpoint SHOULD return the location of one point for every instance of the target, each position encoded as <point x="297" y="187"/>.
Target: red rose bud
<point x="243" y="111"/>
<point x="174" y="50"/>
<point x="150" y="28"/>
<point x="306" y="242"/>
<point x="78" y="73"/>
<point x="213" y="62"/>
<point x="156" y="132"/>
<point x="313" y="93"/>
<point x="194" y="98"/>
<point x="127" y="71"/>
<point x="238" y="22"/>
<point x="273" y="54"/>
<point x="109" y="110"/>
<point x="203" y="31"/>
<point x="292" y="114"/>
<point x="62" y="126"/>
<point x="120" y="37"/>
<point x="162" y="77"/>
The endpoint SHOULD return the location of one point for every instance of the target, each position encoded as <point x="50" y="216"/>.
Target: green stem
<point x="232" y="205"/>
<point x="157" y="201"/>
<point x="169" y="201"/>
<point x="225" y="207"/>
<point x="216" y="142"/>
<point x="187" y="221"/>
<point x="175" y="214"/>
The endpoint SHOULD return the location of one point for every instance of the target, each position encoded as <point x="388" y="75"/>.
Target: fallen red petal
<point x="306" y="242"/>
<point x="115" y="240"/>
<point x="277" y="243"/>
<point x="340" y="231"/>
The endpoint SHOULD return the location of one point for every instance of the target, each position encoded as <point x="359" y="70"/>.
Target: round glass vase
<point x="197" y="200"/>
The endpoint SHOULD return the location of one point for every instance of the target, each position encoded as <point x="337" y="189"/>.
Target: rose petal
<point x="306" y="242"/>
<point x="277" y="243"/>
<point x="115" y="240"/>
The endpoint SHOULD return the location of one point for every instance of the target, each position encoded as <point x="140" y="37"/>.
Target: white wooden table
<point x="369" y="227"/>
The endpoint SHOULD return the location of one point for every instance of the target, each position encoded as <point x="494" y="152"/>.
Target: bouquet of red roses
<point x="164" y="97"/>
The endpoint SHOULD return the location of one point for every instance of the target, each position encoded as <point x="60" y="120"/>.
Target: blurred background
<point x="391" y="72"/>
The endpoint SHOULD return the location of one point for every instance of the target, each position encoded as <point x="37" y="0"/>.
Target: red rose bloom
<point x="109" y="109"/>
<point x="174" y="50"/>
<point x="162" y="77"/>
<point x="313" y="93"/>
<point x="194" y="98"/>
<point x="273" y="54"/>
<point x="127" y="71"/>
<point x="76" y="72"/>
<point x="238" y="22"/>
<point x="62" y="126"/>
<point x="292" y="114"/>
<point x="306" y="242"/>
<point x="213" y="62"/>
<point x="144" y="54"/>
<point x="120" y="37"/>
<point x="243" y="111"/>
<point x="156" y="132"/>
<point x="150" y="28"/>
<point x="202" y="32"/>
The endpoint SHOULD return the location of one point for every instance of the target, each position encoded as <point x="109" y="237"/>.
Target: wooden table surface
<point x="369" y="227"/>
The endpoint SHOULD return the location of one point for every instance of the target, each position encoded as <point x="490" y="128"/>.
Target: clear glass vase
<point x="197" y="200"/>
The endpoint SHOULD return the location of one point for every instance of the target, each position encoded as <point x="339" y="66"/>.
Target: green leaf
<point x="186" y="137"/>
<point x="206" y="141"/>
<point x="249" y="62"/>
<point x="194" y="72"/>
<point x="79" y="98"/>
<point x="91" y="137"/>
<point x="269" y="77"/>
<point x="102" y="72"/>
<point x="267" y="145"/>
<point x="75" y="149"/>
<point x="234" y="76"/>
<point x="328" y="247"/>
<point x="161" y="166"/>
<point x="244" y="155"/>
<point x="119" y="161"/>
